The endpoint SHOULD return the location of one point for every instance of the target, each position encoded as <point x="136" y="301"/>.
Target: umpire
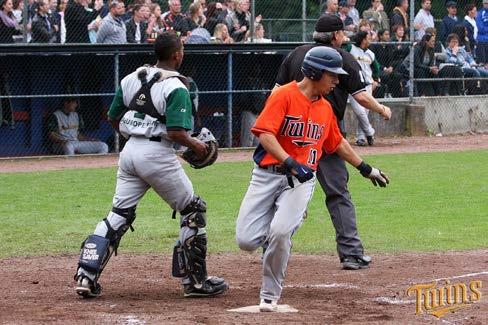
<point x="332" y="173"/>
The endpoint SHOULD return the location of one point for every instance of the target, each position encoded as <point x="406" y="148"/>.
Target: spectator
<point x="400" y="51"/>
<point x="425" y="65"/>
<point x="241" y="21"/>
<point x="198" y="36"/>
<point x="390" y="74"/>
<point x="470" y="24"/>
<point x="64" y="130"/>
<point x="214" y="9"/>
<point x="8" y="24"/>
<point x="331" y="7"/>
<point x="449" y="21"/>
<point x="423" y="20"/>
<point x="113" y="30"/>
<point x="77" y="17"/>
<point x="203" y="3"/>
<point x="482" y="39"/>
<point x="221" y="35"/>
<point x="60" y="10"/>
<point x="343" y="13"/>
<point x="228" y="12"/>
<point x="463" y="59"/>
<point x="353" y="12"/>
<point x="195" y="19"/>
<point x="173" y="17"/>
<point x="365" y="26"/>
<point x="370" y="70"/>
<point x="258" y="35"/>
<point x="44" y="28"/>
<point x="155" y="25"/>
<point x="136" y="27"/>
<point x="460" y="31"/>
<point x="377" y="16"/>
<point x="18" y="10"/>
<point x="399" y="15"/>
<point x="439" y="47"/>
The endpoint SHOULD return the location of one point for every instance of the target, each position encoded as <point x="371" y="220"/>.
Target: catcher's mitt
<point x="189" y="155"/>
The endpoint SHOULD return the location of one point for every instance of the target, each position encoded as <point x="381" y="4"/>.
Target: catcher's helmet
<point x="320" y="59"/>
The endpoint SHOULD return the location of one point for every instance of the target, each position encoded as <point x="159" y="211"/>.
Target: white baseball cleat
<point x="268" y="305"/>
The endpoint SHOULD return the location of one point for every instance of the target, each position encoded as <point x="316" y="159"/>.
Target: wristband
<point x="364" y="169"/>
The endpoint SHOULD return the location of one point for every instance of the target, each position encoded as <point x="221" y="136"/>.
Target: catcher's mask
<point x="212" y="152"/>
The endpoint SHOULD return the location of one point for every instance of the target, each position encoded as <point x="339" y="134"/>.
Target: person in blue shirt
<point x="449" y="21"/>
<point x="482" y="39"/>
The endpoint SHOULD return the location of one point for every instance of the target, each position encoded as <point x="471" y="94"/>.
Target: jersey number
<point x="312" y="157"/>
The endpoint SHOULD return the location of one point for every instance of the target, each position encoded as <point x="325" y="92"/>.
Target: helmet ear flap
<point x="311" y="72"/>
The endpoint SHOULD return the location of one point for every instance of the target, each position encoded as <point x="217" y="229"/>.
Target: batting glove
<point x="376" y="176"/>
<point x="303" y="172"/>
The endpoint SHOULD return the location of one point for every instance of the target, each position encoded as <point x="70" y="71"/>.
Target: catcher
<point x="152" y="109"/>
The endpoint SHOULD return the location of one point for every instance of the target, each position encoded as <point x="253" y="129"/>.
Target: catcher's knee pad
<point x="189" y="258"/>
<point x="96" y="250"/>
<point x="193" y="215"/>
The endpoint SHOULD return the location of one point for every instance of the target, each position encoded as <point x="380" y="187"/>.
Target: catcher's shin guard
<point x="189" y="254"/>
<point x="96" y="250"/>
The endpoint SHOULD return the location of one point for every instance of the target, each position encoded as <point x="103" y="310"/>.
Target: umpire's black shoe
<point x="355" y="262"/>
<point x="87" y="288"/>
<point x="213" y="286"/>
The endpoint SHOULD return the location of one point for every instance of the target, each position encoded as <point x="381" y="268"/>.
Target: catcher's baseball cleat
<point x="213" y="286"/>
<point x="267" y="305"/>
<point x="355" y="262"/>
<point x="86" y="288"/>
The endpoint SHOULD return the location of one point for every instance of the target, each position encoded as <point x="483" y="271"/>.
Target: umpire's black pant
<point x="333" y="177"/>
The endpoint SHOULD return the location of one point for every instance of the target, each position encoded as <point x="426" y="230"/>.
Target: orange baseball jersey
<point x="303" y="127"/>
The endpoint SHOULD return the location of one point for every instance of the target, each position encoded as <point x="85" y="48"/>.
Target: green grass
<point x="435" y="202"/>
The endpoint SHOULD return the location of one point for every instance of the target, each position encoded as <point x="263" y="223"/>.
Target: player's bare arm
<point x="368" y="101"/>
<point x="346" y="152"/>
<point x="183" y="138"/>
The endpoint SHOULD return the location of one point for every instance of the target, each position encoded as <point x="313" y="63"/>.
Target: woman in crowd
<point x="8" y="24"/>
<point x="155" y="25"/>
<point x="195" y="19"/>
<point x="221" y="35"/>
<point x="400" y="51"/>
<point x="214" y="10"/>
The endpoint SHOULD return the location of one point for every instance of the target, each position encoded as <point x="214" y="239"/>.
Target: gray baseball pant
<point x="271" y="212"/>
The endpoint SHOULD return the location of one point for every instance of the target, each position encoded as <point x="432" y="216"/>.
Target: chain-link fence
<point x="231" y="82"/>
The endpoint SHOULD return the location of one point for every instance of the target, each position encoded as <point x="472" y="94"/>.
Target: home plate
<point x="255" y="309"/>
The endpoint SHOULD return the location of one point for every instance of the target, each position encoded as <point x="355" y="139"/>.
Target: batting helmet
<point x="320" y="59"/>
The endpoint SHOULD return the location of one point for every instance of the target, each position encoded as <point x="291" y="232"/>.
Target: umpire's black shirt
<point x="348" y="84"/>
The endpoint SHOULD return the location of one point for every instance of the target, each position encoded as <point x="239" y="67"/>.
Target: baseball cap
<point x="451" y="4"/>
<point x="328" y="23"/>
<point x="343" y="3"/>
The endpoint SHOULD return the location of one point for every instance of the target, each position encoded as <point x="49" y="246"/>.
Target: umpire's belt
<point x="277" y="169"/>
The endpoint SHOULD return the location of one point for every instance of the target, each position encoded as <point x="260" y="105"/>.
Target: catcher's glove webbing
<point x="189" y="155"/>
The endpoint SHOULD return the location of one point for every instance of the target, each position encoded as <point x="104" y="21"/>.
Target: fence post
<point x="412" y="38"/>
<point x="116" y="84"/>
<point x="229" y="98"/>
<point x="251" y="23"/>
<point x="304" y="21"/>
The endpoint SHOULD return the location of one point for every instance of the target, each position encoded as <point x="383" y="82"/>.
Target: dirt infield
<point x="382" y="146"/>
<point x="139" y="290"/>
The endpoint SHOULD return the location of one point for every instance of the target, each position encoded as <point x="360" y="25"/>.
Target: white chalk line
<point x="467" y="275"/>
<point x="323" y="285"/>
<point x="394" y="301"/>
<point x="131" y="319"/>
